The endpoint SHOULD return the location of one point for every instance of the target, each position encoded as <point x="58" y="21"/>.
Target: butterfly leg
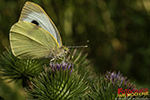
<point x="53" y="56"/>
<point x="52" y="59"/>
<point x="62" y="58"/>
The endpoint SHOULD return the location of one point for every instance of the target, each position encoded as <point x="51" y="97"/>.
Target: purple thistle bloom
<point x="59" y="66"/>
<point x="118" y="79"/>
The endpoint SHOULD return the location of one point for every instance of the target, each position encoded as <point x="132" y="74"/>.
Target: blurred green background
<point x="118" y="31"/>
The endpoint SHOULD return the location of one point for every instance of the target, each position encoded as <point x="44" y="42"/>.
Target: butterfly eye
<point x="66" y="49"/>
<point x="35" y="22"/>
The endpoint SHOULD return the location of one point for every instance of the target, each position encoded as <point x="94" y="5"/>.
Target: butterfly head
<point x="62" y="51"/>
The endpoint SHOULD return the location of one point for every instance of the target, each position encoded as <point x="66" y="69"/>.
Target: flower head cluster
<point x="59" y="66"/>
<point x="118" y="79"/>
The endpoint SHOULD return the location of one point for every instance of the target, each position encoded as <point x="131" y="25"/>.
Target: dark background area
<point x="118" y="31"/>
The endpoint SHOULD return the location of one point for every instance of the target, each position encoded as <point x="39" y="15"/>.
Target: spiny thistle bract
<point x="82" y="65"/>
<point x="58" y="82"/>
<point x="18" y="69"/>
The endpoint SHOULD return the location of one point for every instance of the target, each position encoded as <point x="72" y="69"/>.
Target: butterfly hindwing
<point x="28" y="40"/>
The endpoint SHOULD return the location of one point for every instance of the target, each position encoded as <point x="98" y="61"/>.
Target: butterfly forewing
<point x="33" y="12"/>
<point x="30" y="41"/>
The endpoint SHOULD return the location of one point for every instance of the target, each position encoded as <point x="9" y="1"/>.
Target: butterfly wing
<point x="28" y="40"/>
<point x="33" y="12"/>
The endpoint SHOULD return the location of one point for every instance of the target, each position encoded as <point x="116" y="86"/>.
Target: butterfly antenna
<point x="82" y="42"/>
<point x="79" y="46"/>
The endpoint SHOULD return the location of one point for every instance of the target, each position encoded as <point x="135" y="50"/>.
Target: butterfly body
<point x="35" y="36"/>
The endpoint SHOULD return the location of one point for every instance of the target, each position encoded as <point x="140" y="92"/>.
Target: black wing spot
<point x="35" y="22"/>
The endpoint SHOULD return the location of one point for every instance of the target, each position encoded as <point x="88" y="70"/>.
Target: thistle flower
<point x="57" y="83"/>
<point x="56" y="67"/>
<point x="118" y="79"/>
<point x="17" y="69"/>
<point x="107" y="86"/>
<point x="59" y="66"/>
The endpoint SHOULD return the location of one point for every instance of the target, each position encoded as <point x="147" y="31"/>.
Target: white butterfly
<point x="35" y="36"/>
